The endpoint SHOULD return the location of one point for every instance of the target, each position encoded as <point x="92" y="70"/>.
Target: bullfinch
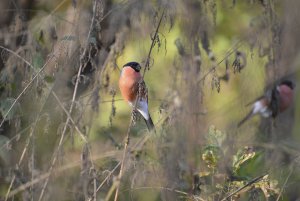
<point x="273" y="102"/>
<point x="134" y="91"/>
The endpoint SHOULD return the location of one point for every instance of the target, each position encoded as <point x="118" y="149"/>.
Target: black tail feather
<point x="150" y="124"/>
<point x="248" y="116"/>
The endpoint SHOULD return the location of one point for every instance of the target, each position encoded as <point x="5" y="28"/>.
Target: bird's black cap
<point x="135" y="65"/>
<point x="288" y="83"/>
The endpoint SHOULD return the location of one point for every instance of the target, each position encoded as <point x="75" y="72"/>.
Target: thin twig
<point x="68" y="113"/>
<point x="16" y="137"/>
<point x="59" y="170"/>
<point x="106" y="178"/>
<point x="49" y="88"/>
<point x="61" y="138"/>
<point x="153" y="43"/>
<point x="82" y="65"/>
<point x="243" y="187"/>
<point x="131" y="119"/>
<point x="42" y="177"/>
<point x="27" y="86"/>
<point x="76" y="164"/>
<point x="230" y="52"/>
<point x="19" y="164"/>
<point x="159" y="188"/>
<point x="69" y="116"/>
<point x="285" y="182"/>
<point x="33" y="127"/>
<point x="124" y="155"/>
<point x="67" y="122"/>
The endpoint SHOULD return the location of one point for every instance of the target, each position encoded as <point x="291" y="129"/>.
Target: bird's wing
<point x="251" y="102"/>
<point x="274" y="102"/>
<point x="267" y="95"/>
<point x="142" y="105"/>
<point x="142" y="91"/>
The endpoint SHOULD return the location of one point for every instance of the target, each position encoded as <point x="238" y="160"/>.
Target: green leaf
<point x="247" y="162"/>
<point x="211" y="155"/>
<point x="38" y="60"/>
<point x="13" y="86"/>
<point x="49" y="79"/>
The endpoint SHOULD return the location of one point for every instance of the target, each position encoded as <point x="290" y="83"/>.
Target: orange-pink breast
<point x="286" y="97"/>
<point x="128" y="83"/>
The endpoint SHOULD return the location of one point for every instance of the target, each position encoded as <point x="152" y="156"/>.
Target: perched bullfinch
<point x="275" y="101"/>
<point x="134" y="91"/>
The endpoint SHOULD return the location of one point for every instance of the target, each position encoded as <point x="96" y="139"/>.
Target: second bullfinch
<point x="275" y="101"/>
<point x="134" y="91"/>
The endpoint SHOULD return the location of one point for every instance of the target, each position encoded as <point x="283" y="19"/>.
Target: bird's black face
<point x="135" y="65"/>
<point x="288" y="83"/>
